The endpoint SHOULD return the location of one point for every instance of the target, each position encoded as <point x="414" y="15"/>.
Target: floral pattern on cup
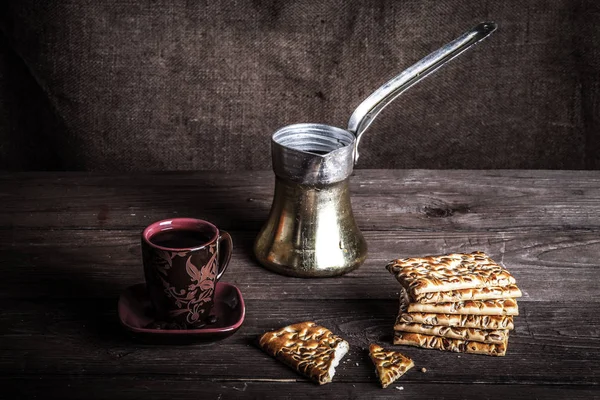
<point x="192" y="301"/>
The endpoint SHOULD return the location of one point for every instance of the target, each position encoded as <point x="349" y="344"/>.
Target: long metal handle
<point x="366" y="112"/>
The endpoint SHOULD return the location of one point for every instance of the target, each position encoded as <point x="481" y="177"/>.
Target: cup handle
<point x="225" y="249"/>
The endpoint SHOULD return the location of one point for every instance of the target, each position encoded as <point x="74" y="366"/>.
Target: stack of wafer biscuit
<point x="455" y="302"/>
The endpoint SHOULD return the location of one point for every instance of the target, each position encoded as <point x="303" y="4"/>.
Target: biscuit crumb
<point x="423" y="369"/>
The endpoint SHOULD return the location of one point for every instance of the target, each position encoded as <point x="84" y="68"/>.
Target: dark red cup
<point x="184" y="258"/>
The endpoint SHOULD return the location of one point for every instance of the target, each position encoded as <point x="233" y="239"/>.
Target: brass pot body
<point x="311" y="231"/>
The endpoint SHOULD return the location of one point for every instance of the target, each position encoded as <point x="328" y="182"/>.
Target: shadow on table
<point x="240" y="208"/>
<point x="58" y="286"/>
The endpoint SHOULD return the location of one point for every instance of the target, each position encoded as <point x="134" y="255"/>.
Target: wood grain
<point x="168" y="388"/>
<point x="549" y="344"/>
<point x="382" y="200"/>
<point x="82" y="263"/>
<point x="69" y="244"/>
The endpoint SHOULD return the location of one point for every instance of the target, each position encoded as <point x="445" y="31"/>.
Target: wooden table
<point x="70" y="245"/>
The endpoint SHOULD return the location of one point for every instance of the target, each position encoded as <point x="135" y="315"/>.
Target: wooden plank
<point x="84" y="263"/>
<point x="552" y="344"/>
<point x="397" y="200"/>
<point x="70" y="244"/>
<point x="169" y="388"/>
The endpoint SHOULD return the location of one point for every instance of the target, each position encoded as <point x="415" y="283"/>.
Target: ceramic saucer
<point x="135" y="313"/>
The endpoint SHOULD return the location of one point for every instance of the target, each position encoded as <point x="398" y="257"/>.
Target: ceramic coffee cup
<point x="184" y="258"/>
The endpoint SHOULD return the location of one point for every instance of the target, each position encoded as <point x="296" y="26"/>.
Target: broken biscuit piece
<point x="310" y="349"/>
<point x="389" y="365"/>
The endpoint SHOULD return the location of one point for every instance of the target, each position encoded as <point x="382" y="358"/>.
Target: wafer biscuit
<point x="452" y="332"/>
<point x="459" y="320"/>
<point x="449" y="272"/>
<point x="446" y="344"/>
<point x="497" y="292"/>
<point x="473" y="307"/>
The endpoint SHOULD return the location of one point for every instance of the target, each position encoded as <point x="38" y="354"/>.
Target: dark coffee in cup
<point x="183" y="260"/>
<point x="180" y="238"/>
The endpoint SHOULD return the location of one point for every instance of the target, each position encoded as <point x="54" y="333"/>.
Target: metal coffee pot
<point x="311" y="231"/>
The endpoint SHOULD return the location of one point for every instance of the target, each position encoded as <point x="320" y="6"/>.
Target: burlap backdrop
<point x="154" y="85"/>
